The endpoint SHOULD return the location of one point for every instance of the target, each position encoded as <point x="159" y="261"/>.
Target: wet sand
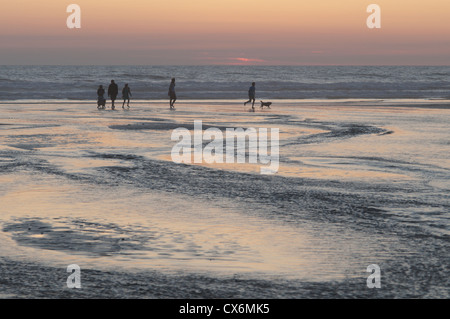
<point x="359" y="183"/>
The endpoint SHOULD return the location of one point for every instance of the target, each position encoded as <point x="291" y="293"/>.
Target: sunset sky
<point x="198" y="32"/>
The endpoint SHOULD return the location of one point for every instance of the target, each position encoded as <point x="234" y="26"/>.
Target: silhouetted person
<point x="251" y="95"/>
<point x="113" y="90"/>
<point x="100" y="99"/>
<point x="126" y="94"/>
<point x="172" y="94"/>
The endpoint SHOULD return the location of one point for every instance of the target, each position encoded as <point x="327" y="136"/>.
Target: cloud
<point x="245" y="60"/>
<point x="230" y="61"/>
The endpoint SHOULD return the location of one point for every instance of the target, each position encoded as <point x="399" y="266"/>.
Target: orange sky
<point x="225" y="32"/>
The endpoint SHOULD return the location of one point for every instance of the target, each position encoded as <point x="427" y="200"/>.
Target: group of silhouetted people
<point x="113" y="91"/>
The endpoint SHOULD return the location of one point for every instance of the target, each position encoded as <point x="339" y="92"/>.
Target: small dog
<point x="268" y="104"/>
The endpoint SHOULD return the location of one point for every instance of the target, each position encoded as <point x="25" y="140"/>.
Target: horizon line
<point x="240" y="65"/>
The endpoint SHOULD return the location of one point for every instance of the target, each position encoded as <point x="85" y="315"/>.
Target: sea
<point x="227" y="82"/>
<point x="361" y="194"/>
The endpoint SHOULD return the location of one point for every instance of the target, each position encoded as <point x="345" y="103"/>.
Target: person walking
<point x="100" y="97"/>
<point x="172" y="94"/>
<point x="113" y="90"/>
<point x="251" y="95"/>
<point x="126" y="94"/>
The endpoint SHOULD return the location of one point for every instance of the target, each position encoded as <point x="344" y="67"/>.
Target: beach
<point x="359" y="182"/>
<point x="225" y="157"/>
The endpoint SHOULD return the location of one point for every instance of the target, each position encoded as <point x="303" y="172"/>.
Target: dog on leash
<point x="268" y="104"/>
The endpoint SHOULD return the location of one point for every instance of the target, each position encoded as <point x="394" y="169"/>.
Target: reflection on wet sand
<point x="99" y="189"/>
<point x="117" y="228"/>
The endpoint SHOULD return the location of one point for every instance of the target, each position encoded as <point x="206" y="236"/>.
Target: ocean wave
<point x="227" y="82"/>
